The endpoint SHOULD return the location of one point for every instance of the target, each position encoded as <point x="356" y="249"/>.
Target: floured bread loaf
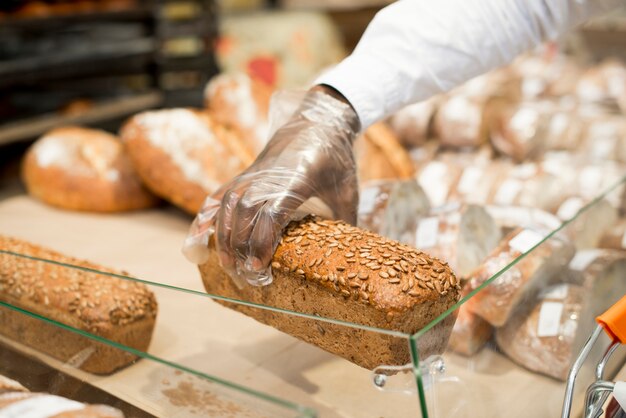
<point x="113" y="308"/>
<point x="182" y="155"/>
<point x="460" y="122"/>
<point x="461" y="234"/>
<point x="470" y="333"/>
<point x="520" y="282"/>
<point x="26" y="404"/>
<point x="241" y="103"/>
<point x="392" y="208"/>
<point x="438" y="178"/>
<point x="334" y="270"/>
<point x="83" y="169"/>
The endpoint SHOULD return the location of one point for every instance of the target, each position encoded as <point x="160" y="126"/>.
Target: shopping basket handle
<point x="614" y="321"/>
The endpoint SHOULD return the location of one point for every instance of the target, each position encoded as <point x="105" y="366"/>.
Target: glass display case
<point x="206" y="360"/>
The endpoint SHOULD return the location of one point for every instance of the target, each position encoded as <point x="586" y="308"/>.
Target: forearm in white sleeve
<point x="414" y="49"/>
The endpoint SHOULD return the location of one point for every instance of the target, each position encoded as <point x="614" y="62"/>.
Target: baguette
<point x="109" y="307"/>
<point x="334" y="270"/>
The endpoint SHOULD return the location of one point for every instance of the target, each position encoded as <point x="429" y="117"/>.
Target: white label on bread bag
<point x="558" y="124"/>
<point x="590" y="180"/>
<point x="434" y="179"/>
<point x="555" y="292"/>
<point x="508" y="191"/>
<point x="427" y="233"/>
<point x="367" y="199"/>
<point x="39" y="406"/>
<point x="583" y="259"/>
<point x="525" y="240"/>
<point x="570" y="208"/>
<point x="469" y="180"/>
<point x="549" y="319"/>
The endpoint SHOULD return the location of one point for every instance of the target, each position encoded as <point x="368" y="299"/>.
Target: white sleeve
<point x="414" y="49"/>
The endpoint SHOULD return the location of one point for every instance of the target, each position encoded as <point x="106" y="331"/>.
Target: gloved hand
<point x="307" y="167"/>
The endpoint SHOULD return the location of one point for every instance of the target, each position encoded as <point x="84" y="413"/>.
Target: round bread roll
<point x="241" y="103"/>
<point x="182" y="155"/>
<point x="83" y="169"/>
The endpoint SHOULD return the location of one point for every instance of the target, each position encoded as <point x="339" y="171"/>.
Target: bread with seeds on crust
<point x="333" y="270"/>
<point x="113" y="308"/>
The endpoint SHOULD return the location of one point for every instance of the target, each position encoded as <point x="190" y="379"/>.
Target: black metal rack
<point x="157" y="53"/>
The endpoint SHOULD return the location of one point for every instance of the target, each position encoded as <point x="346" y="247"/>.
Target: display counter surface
<point x="197" y="334"/>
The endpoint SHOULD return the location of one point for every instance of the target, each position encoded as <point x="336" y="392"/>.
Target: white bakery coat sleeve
<point x="414" y="49"/>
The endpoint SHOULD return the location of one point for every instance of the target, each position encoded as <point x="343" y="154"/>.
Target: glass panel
<point x="526" y="313"/>
<point x="97" y="350"/>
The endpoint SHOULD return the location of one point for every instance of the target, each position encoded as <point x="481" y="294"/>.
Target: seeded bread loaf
<point x="27" y="404"/>
<point x="83" y="169"/>
<point x="113" y="308"/>
<point x="334" y="270"/>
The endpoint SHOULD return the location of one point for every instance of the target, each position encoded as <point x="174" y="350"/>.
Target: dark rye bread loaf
<point x="334" y="270"/>
<point x="110" y="307"/>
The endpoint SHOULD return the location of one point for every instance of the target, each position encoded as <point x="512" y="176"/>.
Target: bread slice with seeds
<point x="334" y="270"/>
<point x="109" y="307"/>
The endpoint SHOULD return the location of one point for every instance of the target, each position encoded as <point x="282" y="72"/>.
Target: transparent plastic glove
<point x="307" y="167"/>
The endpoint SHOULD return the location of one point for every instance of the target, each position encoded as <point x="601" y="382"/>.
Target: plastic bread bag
<point x="528" y="185"/>
<point x="547" y="336"/>
<point x="496" y="302"/>
<point x="392" y="208"/>
<point x="462" y="235"/>
<point x="589" y="225"/>
<point x="470" y="333"/>
<point x="412" y="123"/>
<point x="437" y="179"/>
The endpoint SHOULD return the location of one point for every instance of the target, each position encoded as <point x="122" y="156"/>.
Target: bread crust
<point x="182" y="155"/>
<point x="109" y="307"/>
<point x="83" y="169"/>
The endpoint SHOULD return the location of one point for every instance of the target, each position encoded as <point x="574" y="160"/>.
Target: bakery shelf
<point x="104" y="111"/>
<point x="200" y="336"/>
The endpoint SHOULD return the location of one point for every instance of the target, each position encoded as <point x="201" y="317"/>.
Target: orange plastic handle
<point x="614" y="321"/>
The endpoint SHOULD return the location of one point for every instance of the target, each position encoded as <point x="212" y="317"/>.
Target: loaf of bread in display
<point x="520" y="282"/>
<point x="240" y="103"/>
<point x="590" y="225"/>
<point x="27" y="404"/>
<point x="463" y="235"/>
<point x="437" y="178"/>
<point x="379" y="155"/>
<point x="615" y="238"/>
<point x="83" y="169"/>
<point x="119" y="310"/>
<point x="334" y="270"/>
<point x="182" y="155"/>
<point x="470" y="333"/>
<point x="542" y="339"/>
<point x="412" y="123"/>
<point x="546" y="335"/>
<point x="460" y="122"/>
<point x="392" y="208"/>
